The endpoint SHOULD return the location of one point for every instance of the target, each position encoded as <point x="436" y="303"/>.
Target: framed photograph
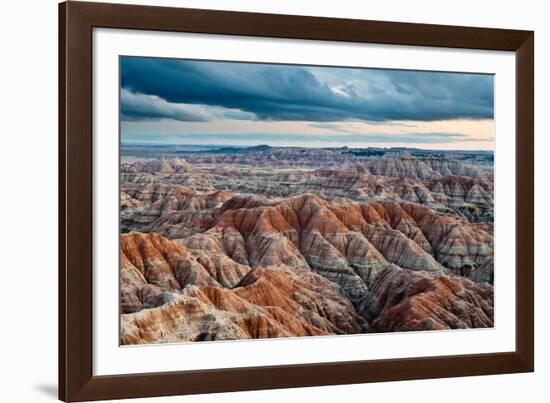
<point x="253" y="201"/>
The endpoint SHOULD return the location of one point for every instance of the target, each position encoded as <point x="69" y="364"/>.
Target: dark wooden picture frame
<point x="76" y="23"/>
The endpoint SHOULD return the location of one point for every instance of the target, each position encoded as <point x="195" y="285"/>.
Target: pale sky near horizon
<point x="227" y="103"/>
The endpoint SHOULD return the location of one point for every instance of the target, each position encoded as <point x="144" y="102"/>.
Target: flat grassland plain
<point x="238" y="239"/>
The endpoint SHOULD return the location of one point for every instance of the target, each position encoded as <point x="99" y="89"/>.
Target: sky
<point x="177" y="101"/>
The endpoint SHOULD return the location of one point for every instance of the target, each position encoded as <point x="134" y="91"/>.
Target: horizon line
<point x="151" y="143"/>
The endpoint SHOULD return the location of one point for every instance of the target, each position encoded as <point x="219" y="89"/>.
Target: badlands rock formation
<point x="181" y="294"/>
<point x="403" y="300"/>
<point x="264" y="242"/>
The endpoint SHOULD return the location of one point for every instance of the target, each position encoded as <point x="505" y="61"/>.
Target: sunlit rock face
<point x="285" y="242"/>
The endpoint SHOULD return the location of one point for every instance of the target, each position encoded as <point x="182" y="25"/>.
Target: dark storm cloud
<point x="275" y="92"/>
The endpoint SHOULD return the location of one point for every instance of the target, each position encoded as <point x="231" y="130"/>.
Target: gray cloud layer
<point x="280" y="92"/>
<point x="152" y="107"/>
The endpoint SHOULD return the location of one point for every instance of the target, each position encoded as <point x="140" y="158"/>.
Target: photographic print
<point x="268" y="200"/>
